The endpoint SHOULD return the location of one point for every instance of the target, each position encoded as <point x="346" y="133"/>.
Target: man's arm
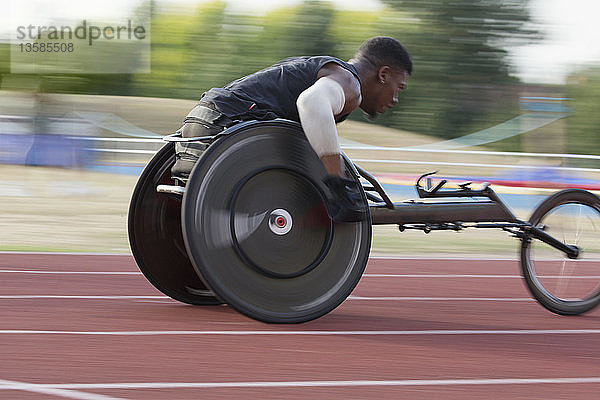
<point x="336" y="92"/>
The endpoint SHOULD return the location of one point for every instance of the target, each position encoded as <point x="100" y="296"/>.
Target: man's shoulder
<point x="307" y="60"/>
<point x="348" y="79"/>
<point x="342" y="71"/>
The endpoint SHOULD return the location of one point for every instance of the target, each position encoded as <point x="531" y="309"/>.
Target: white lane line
<point x="47" y="272"/>
<point x="51" y="253"/>
<point x="163" y="301"/>
<point x="386" y="257"/>
<point x="31" y="271"/>
<point x="275" y="384"/>
<point x="482" y="258"/>
<point x="471" y="276"/>
<point x="77" y="297"/>
<point x="54" y="390"/>
<point x="310" y="333"/>
<point x="416" y="258"/>
<point x="390" y="257"/>
<point x="362" y="298"/>
<point x="436" y="276"/>
<point x="50" y="272"/>
<point x="391" y="298"/>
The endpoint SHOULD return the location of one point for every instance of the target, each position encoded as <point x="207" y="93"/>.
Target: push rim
<point x="208" y="233"/>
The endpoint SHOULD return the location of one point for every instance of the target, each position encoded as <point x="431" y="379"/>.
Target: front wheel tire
<point x="565" y="286"/>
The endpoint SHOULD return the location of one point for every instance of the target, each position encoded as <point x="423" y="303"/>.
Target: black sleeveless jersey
<point x="272" y="92"/>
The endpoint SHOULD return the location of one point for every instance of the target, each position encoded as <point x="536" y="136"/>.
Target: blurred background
<point x="504" y="91"/>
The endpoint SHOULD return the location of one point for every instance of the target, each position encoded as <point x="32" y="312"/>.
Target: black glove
<point x="345" y="202"/>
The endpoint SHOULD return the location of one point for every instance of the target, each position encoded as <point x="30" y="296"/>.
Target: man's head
<point x="384" y="66"/>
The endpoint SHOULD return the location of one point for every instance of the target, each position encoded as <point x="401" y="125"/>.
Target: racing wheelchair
<point x="250" y="228"/>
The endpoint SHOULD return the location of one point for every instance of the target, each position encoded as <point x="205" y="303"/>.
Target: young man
<point x="316" y="91"/>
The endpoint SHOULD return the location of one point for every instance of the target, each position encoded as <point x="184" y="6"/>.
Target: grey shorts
<point x="201" y="121"/>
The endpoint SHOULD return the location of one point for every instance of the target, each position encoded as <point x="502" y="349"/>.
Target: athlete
<point x="318" y="92"/>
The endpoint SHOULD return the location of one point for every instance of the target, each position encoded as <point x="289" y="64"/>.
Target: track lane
<point x="64" y="359"/>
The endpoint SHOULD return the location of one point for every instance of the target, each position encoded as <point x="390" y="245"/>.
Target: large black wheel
<point x="563" y="285"/>
<point x="155" y="237"/>
<point x="257" y="230"/>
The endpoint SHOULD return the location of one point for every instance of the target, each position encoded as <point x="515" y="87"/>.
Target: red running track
<point x="424" y="331"/>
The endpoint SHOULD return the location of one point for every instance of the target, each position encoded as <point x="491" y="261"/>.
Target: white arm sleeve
<point x="317" y="107"/>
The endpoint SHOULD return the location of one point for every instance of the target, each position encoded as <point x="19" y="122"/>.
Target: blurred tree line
<point x="461" y="82"/>
<point x="583" y="126"/>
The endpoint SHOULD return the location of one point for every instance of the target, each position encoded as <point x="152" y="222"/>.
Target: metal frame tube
<point x="570" y="251"/>
<point x="441" y="212"/>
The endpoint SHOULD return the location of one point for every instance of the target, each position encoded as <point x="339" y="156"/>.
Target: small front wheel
<point x="563" y="285"/>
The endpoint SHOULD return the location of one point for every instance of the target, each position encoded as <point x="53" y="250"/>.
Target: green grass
<point x="42" y="249"/>
<point x="469" y="242"/>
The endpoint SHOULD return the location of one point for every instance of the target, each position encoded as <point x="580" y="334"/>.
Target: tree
<point x="584" y="90"/>
<point x="462" y="74"/>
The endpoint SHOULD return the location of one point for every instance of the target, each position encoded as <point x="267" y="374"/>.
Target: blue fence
<point x="44" y="149"/>
<point x="45" y="142"/>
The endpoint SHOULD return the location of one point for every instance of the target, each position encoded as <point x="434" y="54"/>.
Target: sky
<point x="571" y="27"/>
<point x="572" y="39"/>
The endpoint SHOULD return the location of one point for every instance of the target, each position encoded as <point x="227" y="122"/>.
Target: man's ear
<point x="384" y="73"/>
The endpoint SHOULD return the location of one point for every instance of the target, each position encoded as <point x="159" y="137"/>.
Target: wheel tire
<point x="539" y="261"/>
<point x="257" y="231"/>
<point x="155" y="238"/>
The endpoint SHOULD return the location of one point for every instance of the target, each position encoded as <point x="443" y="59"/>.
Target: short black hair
<point x="384" y="50"/>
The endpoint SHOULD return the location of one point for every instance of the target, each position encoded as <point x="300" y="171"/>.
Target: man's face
<point x="384" y="92"/>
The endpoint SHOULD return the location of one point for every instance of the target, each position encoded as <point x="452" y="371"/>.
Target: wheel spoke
<point x="563" y="279"/>
<point x="578" y="225"/>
